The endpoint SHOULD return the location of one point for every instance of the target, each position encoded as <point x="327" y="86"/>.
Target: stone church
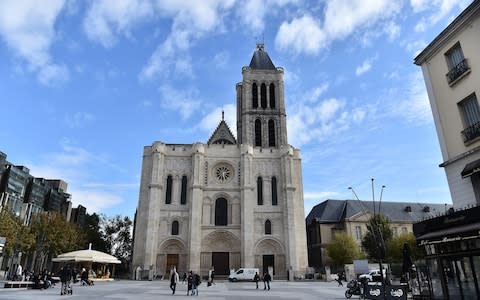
<point x="230" y="202"/>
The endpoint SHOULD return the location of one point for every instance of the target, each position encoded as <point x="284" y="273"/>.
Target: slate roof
<point x="334" y="211"/>
<point x="261" y="60"/>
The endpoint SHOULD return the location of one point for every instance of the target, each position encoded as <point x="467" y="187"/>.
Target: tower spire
<point x="223" y="115"/>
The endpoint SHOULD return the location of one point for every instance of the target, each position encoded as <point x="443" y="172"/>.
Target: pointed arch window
<point x="271" y="133"/>
<point x="221" y="214"/>
<point x="274" y="191"/>
<point x="272" y="95"/>
<point x="259" y="190"/>
<point x="258" y="133"/>
<point x="183" y="195"/>
<point x="254" y="95"/>
<point x="175" y="227"/>
<point x="268" y="227"/>
<point x="263" y="95"/>
<point x="168" y="194"/>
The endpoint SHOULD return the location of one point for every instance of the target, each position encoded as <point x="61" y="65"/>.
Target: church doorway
<point x="172" y="261"/>
<point x="268" y="261"/>
<point x="221" y="263"/>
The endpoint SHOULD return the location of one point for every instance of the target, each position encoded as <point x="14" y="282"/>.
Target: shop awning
<point x="463" y="231"/>
<point x="471" y="168"/>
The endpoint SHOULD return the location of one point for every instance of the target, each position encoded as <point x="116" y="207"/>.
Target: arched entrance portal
<point x="172" y="254"/>
<point x="221" y="250"/>
<point x="270" y="254"/>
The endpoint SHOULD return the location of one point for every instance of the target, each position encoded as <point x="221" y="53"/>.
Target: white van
<point x="243" y="274"/>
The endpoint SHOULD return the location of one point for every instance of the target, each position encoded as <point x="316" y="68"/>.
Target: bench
<point x="18" y="284"/>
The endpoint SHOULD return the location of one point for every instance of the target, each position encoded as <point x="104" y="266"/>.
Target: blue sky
<point x="85" y="85"/>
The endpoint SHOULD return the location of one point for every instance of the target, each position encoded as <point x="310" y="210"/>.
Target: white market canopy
<point x="87" y="255"/>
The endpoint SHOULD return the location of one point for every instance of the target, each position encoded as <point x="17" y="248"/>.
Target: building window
<point x="168" y="195"/>
<point x="272" y="95"/>
<point x="258" y="133"/>
<point x="268" y="227"/>
<point x="358" y="233"/>
<point x="175" y="228"/>
<point x="255" y="95"/>
<point x="183" y="195"/>
<point x="271" y="133"/>
<point x="404" y="230"/>
<point x="395" y="231"/>
<point x="274" y="191"/>
<point x="259" y="191"/>
<point x="221" y="212"/>
<point x="471" y="118"/>
<point x="457" y="64"/>
<point x="263" y="95"/>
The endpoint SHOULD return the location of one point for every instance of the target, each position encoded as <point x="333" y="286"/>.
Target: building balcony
<point x="471" y="133"/>
<point x="457" y="72"/>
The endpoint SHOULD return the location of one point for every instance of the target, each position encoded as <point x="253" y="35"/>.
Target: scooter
<point x="354" y="288"/>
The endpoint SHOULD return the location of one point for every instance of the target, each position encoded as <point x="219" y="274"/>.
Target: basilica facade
<point x="230" y="202"/>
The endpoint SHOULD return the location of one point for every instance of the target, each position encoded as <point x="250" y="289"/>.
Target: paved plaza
<point x="139" y="290"/>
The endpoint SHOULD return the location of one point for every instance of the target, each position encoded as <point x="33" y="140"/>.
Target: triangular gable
<point x="222" y="135"/>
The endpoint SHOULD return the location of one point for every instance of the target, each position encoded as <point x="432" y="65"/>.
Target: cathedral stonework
<point x="229" y="203"/>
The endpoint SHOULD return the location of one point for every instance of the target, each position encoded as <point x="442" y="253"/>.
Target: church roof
<point x="222" y="135"/>
<point x="261" y="60"/>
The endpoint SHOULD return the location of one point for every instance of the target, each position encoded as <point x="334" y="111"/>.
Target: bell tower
<point x="261" y="117"/>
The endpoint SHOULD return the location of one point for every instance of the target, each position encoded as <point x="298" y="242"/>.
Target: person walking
<point x="184" y="277"/>
<point x="266" y="279"/>
<point x="212" y="275"/>
<point x="173" y="280"/>
<point x="196" y="283"/>
<point x="189" y="283"/>
<point x="256" y="278"/>
<point x="339" y="279"/>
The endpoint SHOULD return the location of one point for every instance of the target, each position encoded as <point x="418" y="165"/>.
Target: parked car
<point x="244" y="274"/>
<point x="370" y="276"/>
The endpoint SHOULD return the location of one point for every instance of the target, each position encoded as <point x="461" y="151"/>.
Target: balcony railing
<point x="457" y="71"/>
<point x="471" y="132"/>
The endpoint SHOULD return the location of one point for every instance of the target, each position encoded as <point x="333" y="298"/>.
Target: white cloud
<point x="76" y="165"/>
<point x="318" y="195"/>
<point x="210" y="121"/>
<point x="253" y="12"/>
<point x="438" y="9"/>
<point x="341" y="18"/>
<point x="185" y="102"/>
<point x="411" y="103"/>
<point x="365" y="67"/>
<point x="414" y="47"/>
<point x="315" y="93"/>
<point x="28" y="28"/>
<point x="301" y="34"/>
<point x="106" y="19"/>
<point x="79" y="119"/>
<point x="221" y="59"/>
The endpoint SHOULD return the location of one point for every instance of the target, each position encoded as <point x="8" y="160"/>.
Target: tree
<point x="343" y="249"/>
<point x="378" y="235"/>
<point x="118" y="236"/>
<point x="19" y="237"/>
<point x="395" y="247"/>
<point x="94" y="233"/>
<point x="54" y="235"/>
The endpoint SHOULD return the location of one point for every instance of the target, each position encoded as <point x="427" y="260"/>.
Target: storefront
<point x="452" y="247"/>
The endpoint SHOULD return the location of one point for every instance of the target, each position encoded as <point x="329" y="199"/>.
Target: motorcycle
<point x="354" y="288"/>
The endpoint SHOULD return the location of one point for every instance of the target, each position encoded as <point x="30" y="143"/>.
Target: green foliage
<point x="19" y="237"/>
<point x="395" y="247"/>
<point x="378" y="229"/>
<point x="343" y="249"/>
<point x="94" y="234"/>
<point x="54" y="235"/>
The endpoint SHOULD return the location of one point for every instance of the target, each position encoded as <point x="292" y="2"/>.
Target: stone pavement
<point x="139" y="290"/>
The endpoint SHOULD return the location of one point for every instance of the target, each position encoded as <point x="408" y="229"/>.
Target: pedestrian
<point x="5" y="274"/>
<point x="196" y="283"/>
<point x="184" y="277"/>
<point x="173" y="280"/>
<point x="212" y="275"/>
<point x="339" y="279"/>
<point x="266" y="280"/>
<point x="256" y="278"/>
<point x="189" y="282"/>
<point x="19" y="273"/>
